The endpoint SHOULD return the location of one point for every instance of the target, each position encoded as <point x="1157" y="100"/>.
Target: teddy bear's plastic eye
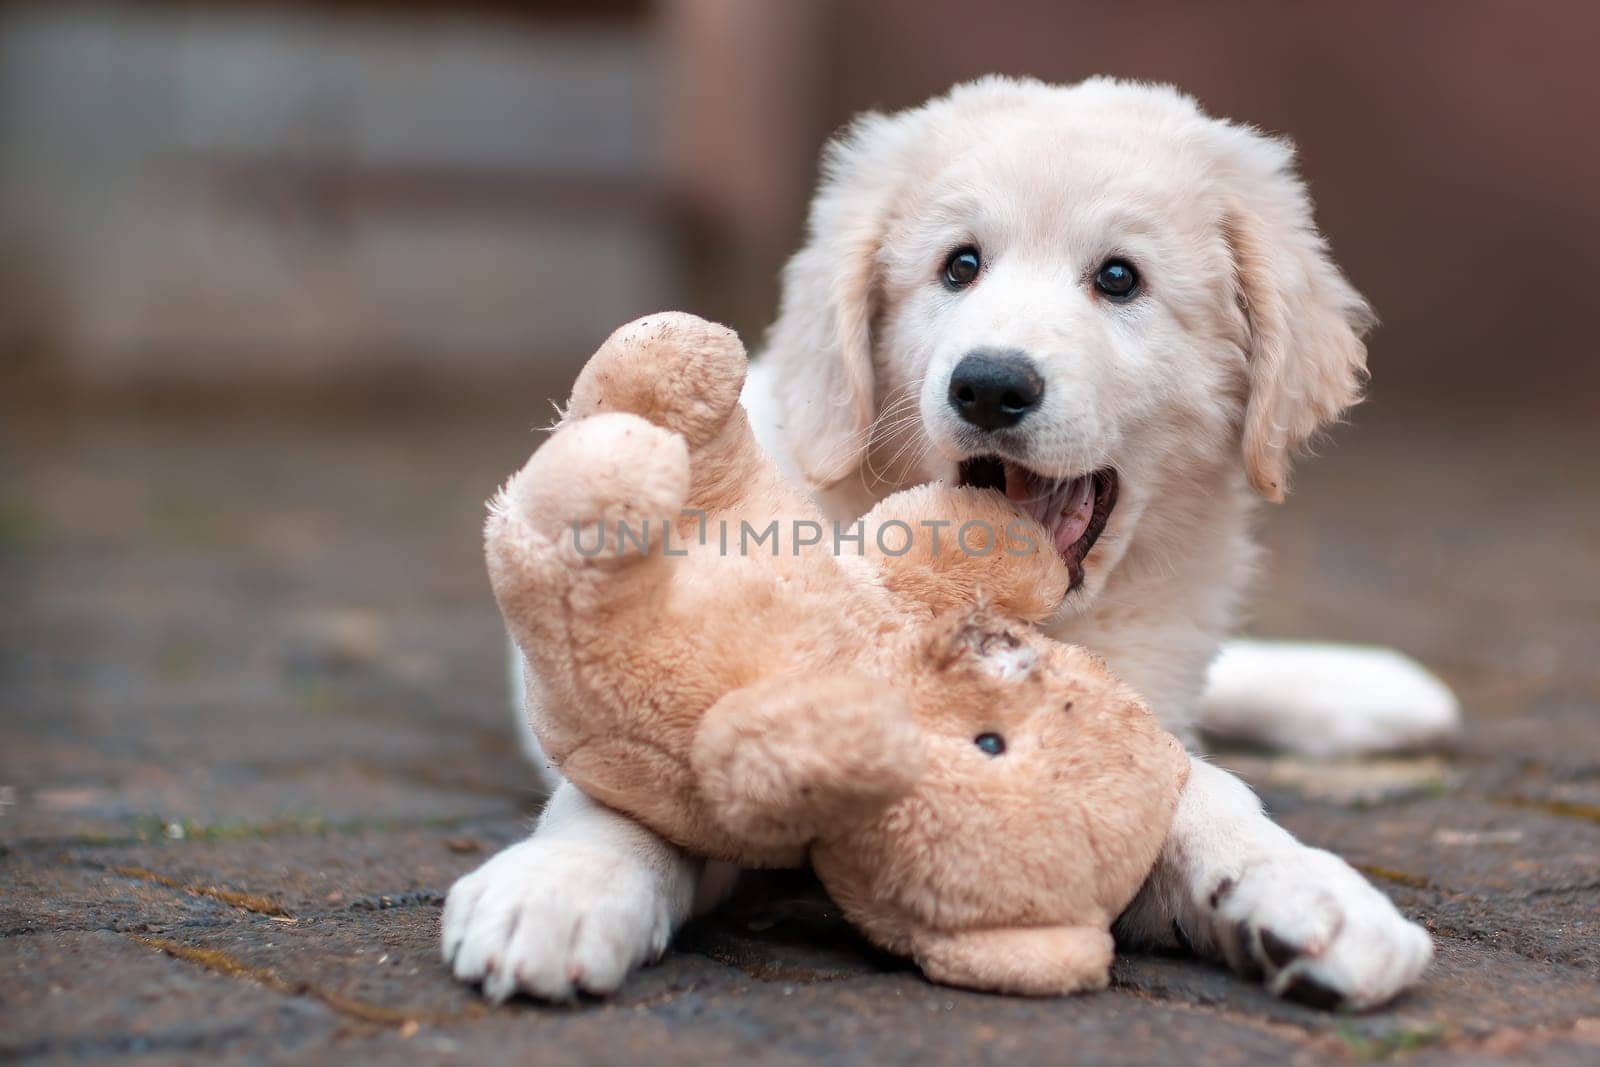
<point x="992" y="744"/>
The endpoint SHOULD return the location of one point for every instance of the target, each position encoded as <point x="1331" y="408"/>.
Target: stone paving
<point x="254" y="725"/>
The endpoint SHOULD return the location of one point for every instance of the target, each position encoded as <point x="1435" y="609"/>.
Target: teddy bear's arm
<point x="562" y="572"/>
<point x="1033" y="960"/>
<point x="785" y="757"/>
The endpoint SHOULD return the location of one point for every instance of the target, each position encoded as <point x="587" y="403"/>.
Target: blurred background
<point x="449" y="199"/>
<point x="286" y="289"/>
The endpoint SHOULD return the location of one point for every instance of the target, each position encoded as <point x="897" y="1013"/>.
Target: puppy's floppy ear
<point x="1305" y="321"/>
<point x="821" y="343"/>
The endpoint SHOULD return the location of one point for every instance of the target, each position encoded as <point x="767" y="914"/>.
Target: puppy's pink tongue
<point x="1077" y="508"/>
<point x="1062" y="508"/>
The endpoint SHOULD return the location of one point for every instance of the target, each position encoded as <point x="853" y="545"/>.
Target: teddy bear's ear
<point x="821" y="344"/>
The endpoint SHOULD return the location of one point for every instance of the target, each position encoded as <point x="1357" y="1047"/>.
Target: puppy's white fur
<point x="1243" y="342"/>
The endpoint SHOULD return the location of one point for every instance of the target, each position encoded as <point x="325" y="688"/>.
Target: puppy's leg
<point x="589" y="897"/>
<point x="1325" y="700"/>
<point x="523" y="702"/>
<point x="1237" y="887"/>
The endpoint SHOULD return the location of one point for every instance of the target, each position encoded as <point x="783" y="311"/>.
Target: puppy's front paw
<point x="1317" y="931"/>
<point x="552" y="918"/>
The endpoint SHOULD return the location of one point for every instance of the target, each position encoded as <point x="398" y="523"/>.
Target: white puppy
<point x="1119" y="311"/>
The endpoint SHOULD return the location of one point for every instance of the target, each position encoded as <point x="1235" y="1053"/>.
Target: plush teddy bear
<point x="871" y="698"/>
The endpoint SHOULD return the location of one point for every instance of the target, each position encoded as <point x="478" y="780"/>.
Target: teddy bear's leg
<point x="946" y="547"/>
<point x="585" y="518"/>
<point x="683" y="374"/>
<point x="782" y="759"/>
<point x="1035" y="960"/>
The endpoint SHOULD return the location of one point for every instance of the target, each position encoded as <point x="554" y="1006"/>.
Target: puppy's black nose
<point x="994" y="389"/>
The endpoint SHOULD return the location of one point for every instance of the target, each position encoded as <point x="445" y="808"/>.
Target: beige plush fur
<point x="798" y="701"/>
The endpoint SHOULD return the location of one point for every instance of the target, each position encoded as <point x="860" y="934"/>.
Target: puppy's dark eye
<point x="991" y="744"/>
<point x="961" y="269"/>
<point x="1117" y="279"/>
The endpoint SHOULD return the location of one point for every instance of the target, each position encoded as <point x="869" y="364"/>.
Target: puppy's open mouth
<point x="1073" y="511"/>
